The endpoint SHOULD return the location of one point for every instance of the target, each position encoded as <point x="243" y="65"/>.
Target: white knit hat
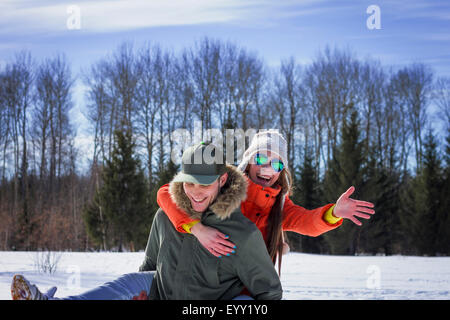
<point x="267" y="140"/>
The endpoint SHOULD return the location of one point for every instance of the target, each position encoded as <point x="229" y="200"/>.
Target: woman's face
<point x="201" y="196"/>
<point x="263" y="175"/>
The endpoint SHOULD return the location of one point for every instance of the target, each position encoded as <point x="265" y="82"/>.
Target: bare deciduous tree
<point x="414" y="85"/>
<point x="442" y="98"/>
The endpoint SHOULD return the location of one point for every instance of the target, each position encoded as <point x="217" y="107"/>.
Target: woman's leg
<point x="125" y="287"/>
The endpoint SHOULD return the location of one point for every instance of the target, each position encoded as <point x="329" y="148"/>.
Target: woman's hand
<point x="213" y="240"/>
<point x="350" y="208"/>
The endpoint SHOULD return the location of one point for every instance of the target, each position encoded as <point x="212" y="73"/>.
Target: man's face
<point x="202" y="196"/>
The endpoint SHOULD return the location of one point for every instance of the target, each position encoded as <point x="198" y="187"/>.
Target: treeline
<point x="347" y="122"/>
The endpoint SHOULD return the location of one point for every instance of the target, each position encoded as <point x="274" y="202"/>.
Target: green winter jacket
<point x="185" y="270"/>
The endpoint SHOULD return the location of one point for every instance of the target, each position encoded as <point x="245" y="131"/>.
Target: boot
<point x="21" y="289"/>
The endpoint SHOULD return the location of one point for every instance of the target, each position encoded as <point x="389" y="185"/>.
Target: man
<point x="211" y="191"/>
<point x="185" y="269"/>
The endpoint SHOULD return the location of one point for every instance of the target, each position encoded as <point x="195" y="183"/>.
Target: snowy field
<point x="303" y="276"/>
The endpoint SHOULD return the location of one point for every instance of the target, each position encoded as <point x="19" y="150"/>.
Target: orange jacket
<point x="257" y="208"/>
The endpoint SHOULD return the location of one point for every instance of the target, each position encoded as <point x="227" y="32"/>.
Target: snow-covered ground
<point x="303" y="276"/>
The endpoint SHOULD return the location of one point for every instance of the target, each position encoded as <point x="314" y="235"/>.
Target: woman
<point x="268" y="204"/>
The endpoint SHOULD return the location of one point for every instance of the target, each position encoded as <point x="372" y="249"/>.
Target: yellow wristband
<point x="187" y="226"/>
<point x="329" y="217"/>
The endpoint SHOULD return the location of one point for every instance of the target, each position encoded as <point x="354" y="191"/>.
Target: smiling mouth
<point x="198" y="201"/>
<point x="264" y="178"/>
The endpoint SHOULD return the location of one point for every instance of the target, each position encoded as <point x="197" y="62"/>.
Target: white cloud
<point x="25" y="17"/>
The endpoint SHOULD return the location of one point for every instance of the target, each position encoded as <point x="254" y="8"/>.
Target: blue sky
<point x="415" y="30"/>
<point x="411" y="31"/>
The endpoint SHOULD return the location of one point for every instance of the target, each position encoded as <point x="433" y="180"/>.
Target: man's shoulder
<point x="161" y="218"/>
<point x="164" y="227"/>
<point x="159" y="214"/>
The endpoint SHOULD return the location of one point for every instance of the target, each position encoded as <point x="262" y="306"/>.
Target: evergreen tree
<point x="163" y="177"/>
<point x="432" y="171"/>
<point x="412" y="201"/>
<point x="424" y="213"/>
<point x="307" y="193"/>
<point x="353" y="165"/>
<point x="166" y="175"/>
<point x="124" y="199"/>
<point x="443" y="245"/>
<point x="308" y="184"/>
<point x="381" y="187"/>
<point x="96" y="226"/>
<point x="345" y="170"/>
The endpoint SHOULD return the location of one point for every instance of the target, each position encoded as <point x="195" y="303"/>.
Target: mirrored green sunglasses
<point x="262" y="159"/>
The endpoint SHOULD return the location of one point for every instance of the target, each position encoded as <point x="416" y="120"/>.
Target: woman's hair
<point x="275" y="219"/>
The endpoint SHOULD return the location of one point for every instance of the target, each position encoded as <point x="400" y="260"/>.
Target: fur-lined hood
<point x="229" y="199"/>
